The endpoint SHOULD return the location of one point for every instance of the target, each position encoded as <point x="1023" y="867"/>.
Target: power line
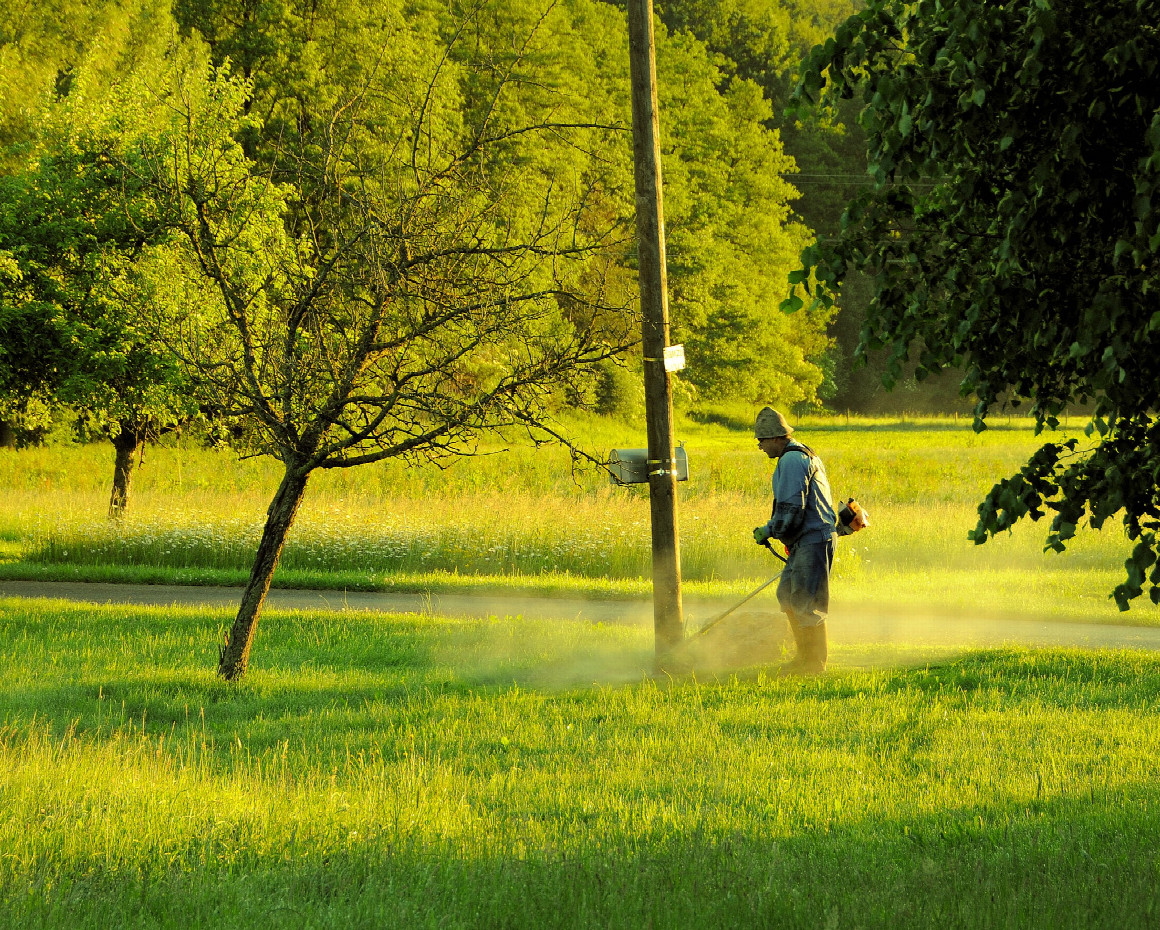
<point x="815" y="174"/>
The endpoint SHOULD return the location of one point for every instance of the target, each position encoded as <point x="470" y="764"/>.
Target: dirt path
<point x="913" y="628"/>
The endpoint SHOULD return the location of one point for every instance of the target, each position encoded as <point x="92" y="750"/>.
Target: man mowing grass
<point x="804" y="521"/>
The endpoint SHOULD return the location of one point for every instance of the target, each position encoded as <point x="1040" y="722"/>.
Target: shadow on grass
<point x="100" y="667"/>
<point x="1075" y="862"/>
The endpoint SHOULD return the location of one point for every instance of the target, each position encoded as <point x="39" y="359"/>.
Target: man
<point x="804" y="521"/>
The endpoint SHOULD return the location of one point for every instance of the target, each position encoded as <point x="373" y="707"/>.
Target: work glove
<point x="761" y="534"/>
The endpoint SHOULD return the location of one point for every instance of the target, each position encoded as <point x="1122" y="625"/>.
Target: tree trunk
<point x="235" y="654"/>
<point x="127" y="443"/>
<point x="7" y="435"/>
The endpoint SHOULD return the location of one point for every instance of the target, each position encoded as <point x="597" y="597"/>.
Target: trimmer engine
<point x="852" y="518"/>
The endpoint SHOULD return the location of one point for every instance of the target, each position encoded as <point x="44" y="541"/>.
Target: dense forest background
<point x="745" y="188"/>
<point x="765" y="41"/>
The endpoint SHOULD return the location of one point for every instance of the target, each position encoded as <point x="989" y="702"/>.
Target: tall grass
<point x="524" y="516"/>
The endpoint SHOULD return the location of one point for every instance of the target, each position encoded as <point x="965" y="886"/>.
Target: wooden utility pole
<point x="650" y="227"/>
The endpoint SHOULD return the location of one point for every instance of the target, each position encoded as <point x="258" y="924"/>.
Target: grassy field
<point x="404" y="771"/>
<point x="377" y="770"/>
<point x="196" y="516"/>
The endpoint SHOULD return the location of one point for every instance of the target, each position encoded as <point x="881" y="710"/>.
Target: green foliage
<point x="731" y="234"/>
<point x="389" y="298"/>
<point x="619" y="392"/>
<point x="68" y="330"/>
<point x="731" y="237"/>
<point x="73" y="227"/>
<point x="1014" y="229"/>
<point x="760" y="43"/>
<point x="43" y="44"/>
<point x="729" y="228"/>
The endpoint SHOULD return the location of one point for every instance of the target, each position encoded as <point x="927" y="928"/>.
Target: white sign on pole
<point x="674" y="358"/>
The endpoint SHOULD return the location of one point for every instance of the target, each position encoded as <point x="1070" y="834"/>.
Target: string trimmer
<point x="745" y="600"/>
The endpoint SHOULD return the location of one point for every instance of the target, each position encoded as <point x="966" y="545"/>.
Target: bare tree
<point x="404" y="295"/>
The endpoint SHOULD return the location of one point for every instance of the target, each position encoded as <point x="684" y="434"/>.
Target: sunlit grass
<point x="413" y="771"/>
<point x="399" y="771"/>
<point x="525" y="518"/>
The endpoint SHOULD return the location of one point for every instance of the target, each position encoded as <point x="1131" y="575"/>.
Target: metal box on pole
<point x="632" y="466"/>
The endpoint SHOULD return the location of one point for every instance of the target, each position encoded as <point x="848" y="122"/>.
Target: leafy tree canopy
<point x="731" y="234"/>
<point x="1014" y="228"/>
<point x="72" y="226"/>
<point x="44" y="44"/>
<point x="761" y="43"/>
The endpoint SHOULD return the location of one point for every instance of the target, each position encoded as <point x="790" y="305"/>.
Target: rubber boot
<point x="816" y="649"/>
<point x="795" y="665"/>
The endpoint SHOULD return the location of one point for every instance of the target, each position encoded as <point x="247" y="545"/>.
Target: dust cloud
<point x="580" y="651"/>
<point x="564" y="643"/>
<point x="879" y="634"/>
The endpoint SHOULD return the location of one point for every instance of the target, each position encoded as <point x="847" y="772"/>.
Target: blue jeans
<point x="804" y="590"/>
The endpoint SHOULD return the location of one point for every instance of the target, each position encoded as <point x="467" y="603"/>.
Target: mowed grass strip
<point x="377" y="770"/>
